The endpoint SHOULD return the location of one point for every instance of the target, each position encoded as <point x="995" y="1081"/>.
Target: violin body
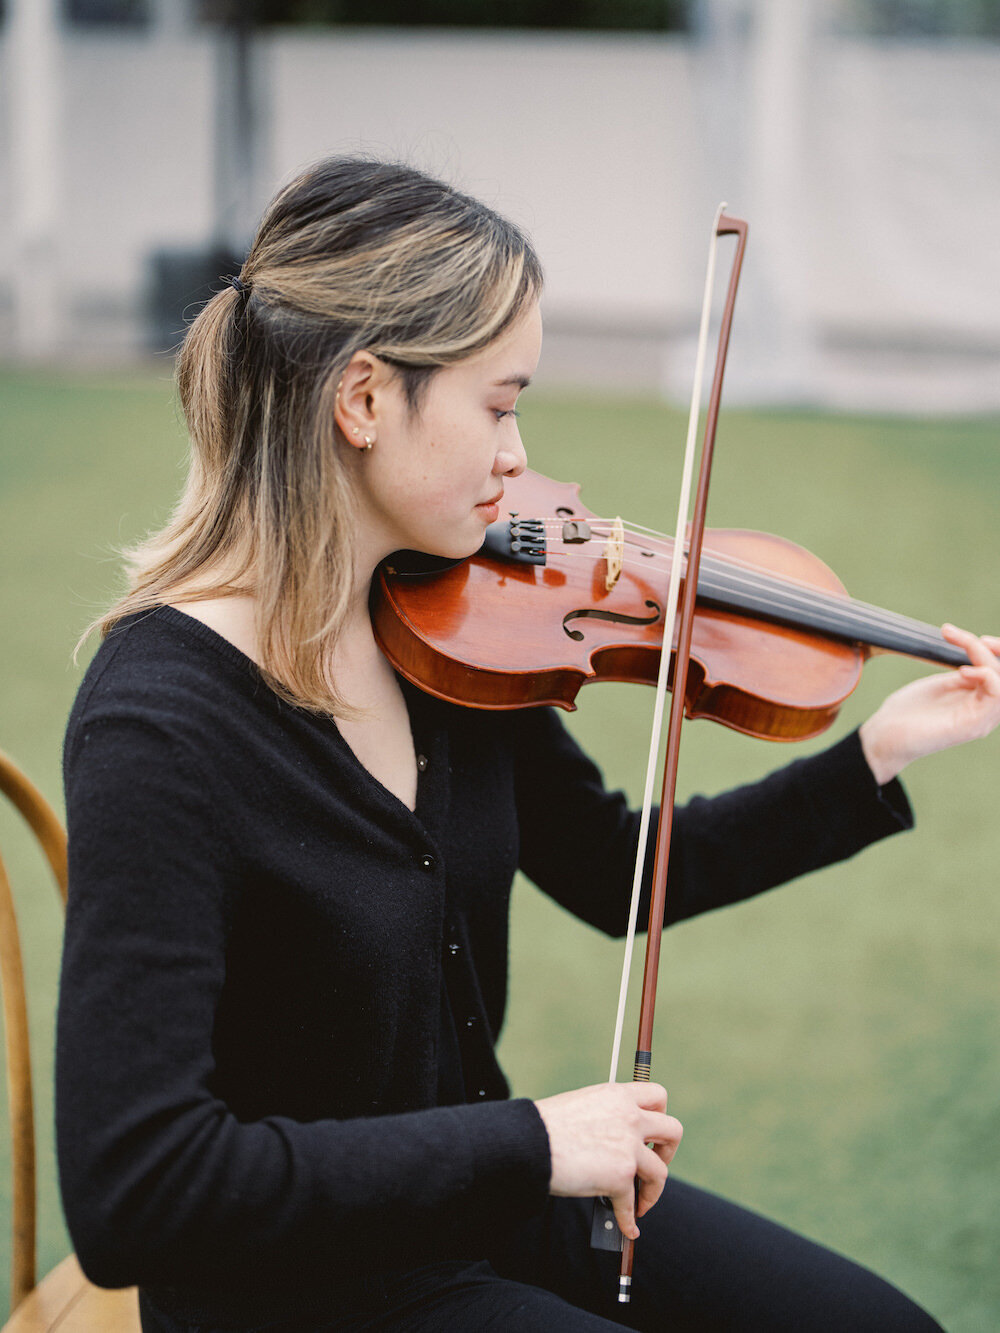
<point x="493" y="633"/>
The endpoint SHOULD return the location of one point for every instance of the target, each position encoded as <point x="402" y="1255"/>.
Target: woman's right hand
<point x="602" y="1138"/>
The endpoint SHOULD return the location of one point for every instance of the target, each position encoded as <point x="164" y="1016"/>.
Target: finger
<point x="662" y="1130"/>
<point x="978" y="652"/>
<point x="649" y="1096"/>
<point x="652" y="1172"/>
<point x="624" y="1206"/>
<point x="642" y="1208"/>
<point x="986" y="678"/>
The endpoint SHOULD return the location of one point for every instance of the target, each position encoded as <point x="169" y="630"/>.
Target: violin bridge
<point x="614" y="554"/>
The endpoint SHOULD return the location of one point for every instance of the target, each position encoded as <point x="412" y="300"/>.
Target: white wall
<point x="583" y="140"/>
<point x="870" y="246"/>
<point x="906" y="176"/>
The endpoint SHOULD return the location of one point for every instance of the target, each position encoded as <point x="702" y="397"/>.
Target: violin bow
<point x="605" y="1233"/>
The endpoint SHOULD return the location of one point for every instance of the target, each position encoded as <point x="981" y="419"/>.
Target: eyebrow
<point x="522" y="381"/>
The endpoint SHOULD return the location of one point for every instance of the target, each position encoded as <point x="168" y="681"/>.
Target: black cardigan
<point x="257" y="939"/>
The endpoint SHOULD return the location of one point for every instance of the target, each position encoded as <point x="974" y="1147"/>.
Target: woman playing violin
<point x="285" y="968"/>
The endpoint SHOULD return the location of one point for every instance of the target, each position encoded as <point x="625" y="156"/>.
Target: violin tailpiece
<point x="521" y="540"/>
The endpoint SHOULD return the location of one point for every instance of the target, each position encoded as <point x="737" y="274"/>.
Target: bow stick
<point x="605" y="1234"/>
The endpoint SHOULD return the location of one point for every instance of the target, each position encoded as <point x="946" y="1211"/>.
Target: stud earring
<point x="369" y="441"/>
<point x="356" y="431"/>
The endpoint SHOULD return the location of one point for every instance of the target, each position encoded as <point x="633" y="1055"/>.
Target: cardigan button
<point x="421" y="763"/>
<point x="471" y="1021"/>
<point x="427" y="862"/>
<point x="482" y="1092"/>
<point x="454" y="949"/>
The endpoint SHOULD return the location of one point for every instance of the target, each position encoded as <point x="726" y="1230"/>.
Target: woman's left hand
<point x="937" y="711"/>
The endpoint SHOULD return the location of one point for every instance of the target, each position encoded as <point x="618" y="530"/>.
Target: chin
<point x="456" y="546"/>
<point x="457" y="550"/>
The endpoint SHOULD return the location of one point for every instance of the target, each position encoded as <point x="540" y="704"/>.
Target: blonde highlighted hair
<point x="353" y="254"/>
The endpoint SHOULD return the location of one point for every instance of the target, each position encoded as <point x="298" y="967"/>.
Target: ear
<point x="356" y="406"/>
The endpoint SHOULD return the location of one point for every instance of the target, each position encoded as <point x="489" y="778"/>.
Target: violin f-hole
<point x="615" y="617"/>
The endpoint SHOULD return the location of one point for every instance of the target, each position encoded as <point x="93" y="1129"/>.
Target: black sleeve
<point x="161" y="1183"/>
<point x="578" y="840"/>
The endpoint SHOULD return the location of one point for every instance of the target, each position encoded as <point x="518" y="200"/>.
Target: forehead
<point x="511" y="360"/>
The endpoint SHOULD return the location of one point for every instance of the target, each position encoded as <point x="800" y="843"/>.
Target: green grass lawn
<point x="832" y="1048"/>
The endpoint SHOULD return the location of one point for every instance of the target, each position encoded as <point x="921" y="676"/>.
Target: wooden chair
<point x="64" y="1299"/>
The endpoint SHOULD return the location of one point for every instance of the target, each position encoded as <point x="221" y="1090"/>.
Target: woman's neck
<point x="234" y="617"/>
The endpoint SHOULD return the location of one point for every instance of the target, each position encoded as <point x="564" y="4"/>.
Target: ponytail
<point x="353" y="254"/>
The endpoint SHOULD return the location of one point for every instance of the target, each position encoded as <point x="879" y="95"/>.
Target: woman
<point x="285" y="963"/>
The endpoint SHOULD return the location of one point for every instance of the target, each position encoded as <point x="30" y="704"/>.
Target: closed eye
<point x="510" y="412"/>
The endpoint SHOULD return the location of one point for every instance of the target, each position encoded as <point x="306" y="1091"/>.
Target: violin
<point x="557" y="598"/>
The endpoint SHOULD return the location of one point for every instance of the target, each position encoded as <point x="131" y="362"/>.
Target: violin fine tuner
<point x="521" y="540"/>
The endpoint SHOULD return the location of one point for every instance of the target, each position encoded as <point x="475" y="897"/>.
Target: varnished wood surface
<point x="495" y="635"/>
<point x="41" y="818"/>
<point x="19" y="1097"/>
<point x="65" y="1302"/>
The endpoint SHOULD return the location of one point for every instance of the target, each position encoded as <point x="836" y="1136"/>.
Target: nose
<point x="511" y="459"/>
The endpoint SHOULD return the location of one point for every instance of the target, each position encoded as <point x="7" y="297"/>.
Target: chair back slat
<point x="40" y="817"/>
<point x="19" y="1099"/>
<point x="46" y="827"/>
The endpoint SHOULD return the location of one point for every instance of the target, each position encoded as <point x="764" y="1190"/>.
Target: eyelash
<point x="511" y="412"/>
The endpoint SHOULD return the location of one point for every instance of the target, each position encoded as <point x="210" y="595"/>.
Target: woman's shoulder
<point x="165" y="670"/>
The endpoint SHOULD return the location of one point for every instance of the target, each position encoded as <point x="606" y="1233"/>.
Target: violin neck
<point x="836" y="617"/>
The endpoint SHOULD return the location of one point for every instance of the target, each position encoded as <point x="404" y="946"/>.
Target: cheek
<point x="448" y="454"/>
<point x="425" y="484"/>
<point x="450" y="463"/>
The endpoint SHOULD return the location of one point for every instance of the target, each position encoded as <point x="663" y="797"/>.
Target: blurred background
<point x="832" y="1049"/>
<point x="139" y="140"/>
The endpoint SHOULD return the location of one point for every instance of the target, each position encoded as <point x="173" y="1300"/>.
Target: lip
<point x="488" y="504"/>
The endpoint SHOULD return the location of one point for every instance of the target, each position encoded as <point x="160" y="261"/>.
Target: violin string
<point x="735" y="562"/>
<point x="844" y="613"/>
<point x="728" y="576"/>
<point x="630" y="526"/>
<point x="819" y="610"/>
<point x="786" y="593"/>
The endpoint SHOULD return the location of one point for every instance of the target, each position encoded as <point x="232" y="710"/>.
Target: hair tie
<point x="238" y="286"/>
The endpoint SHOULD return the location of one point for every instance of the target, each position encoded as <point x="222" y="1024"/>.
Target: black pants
<point x="701" y="1264"/>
